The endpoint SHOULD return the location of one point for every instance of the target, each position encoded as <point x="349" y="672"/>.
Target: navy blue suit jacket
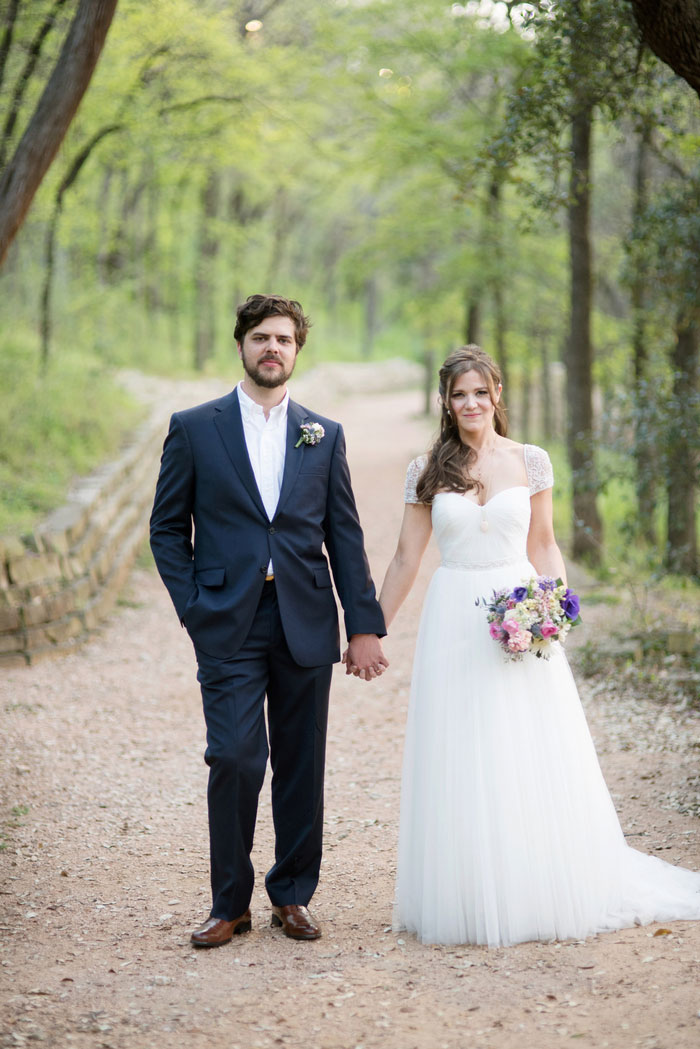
<point x="215" y="577"/>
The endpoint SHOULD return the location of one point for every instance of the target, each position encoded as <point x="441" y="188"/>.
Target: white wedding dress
<point x="508" y="832"/>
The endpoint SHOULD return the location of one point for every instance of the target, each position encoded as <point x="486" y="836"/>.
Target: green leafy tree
<point x="582" y="62"/>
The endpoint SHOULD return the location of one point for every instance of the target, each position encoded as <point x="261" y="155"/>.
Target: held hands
<point x="364" y="657"/>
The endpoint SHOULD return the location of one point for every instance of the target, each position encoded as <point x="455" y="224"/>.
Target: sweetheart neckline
<point x="482" y="506"/>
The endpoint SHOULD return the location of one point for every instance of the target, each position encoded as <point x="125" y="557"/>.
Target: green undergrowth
<point x="54" y="428"/>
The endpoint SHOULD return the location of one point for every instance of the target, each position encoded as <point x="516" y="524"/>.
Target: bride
<point x="508" y="832"/>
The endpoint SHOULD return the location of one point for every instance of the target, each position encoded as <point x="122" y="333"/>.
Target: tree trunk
<point x="645" y="438"/>
<point x="500" y="351"/>
<point x="176" y="274"/>
<point x="103" y="203"/>
<point x="242" y="213"/>
<point x="473" y="328"/>
<point x="587" y="528"/>
<point x="371" y="324"/>
<point x="491" y="283"/>
<point x="25" y="77"/>
<point x="205" y="299"/>
<point x="333" y="250"/>
<point x="125" y="248"/>
<point x="429" y="370"/>
<point x="51" y="231"/>
<point x="53" y="115"/>
<point x="671" y="28"/>
<point x="545" y="388"/>
<point x="45" y="315"/>
<point x="495" y="247"/>
<point x="682" y="458"/>
<point x="525" y="402"/>
<point x="282" y="229"/>
<point x="150" y="276"/>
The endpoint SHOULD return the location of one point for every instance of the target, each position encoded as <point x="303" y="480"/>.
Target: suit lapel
<point x="293" y="456"/>
<point x="230" y="426"/>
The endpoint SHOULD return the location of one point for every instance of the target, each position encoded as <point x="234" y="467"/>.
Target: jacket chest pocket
<point x="313" y="471"/>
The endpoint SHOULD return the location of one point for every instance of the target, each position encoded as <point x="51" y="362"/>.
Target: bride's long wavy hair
<point x="449" y="459"/>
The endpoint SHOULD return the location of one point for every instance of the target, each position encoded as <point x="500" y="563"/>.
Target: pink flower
<point x="511" y="626"/>
<point x="495" y="631"/>
<point x="548" y="628"/>
<point x="520" y="642"/>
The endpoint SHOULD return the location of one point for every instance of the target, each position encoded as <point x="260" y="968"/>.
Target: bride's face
<point x="471" y="404"/>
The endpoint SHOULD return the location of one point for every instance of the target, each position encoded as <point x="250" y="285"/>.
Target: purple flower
<point x="546" y="583"/>
<point x="520" y="593"/>
<point x="571" y="605"/>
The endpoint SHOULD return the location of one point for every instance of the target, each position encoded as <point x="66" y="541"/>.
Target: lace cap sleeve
<point x="415" y="469"/>
<point x="539" y="469"/>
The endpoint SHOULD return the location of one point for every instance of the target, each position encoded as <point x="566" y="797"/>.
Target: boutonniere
<point x="311" y="433"/>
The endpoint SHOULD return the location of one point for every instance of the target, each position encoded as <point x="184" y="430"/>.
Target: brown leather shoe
<point x="216" y="932"/>
<point x="296" y="922"/>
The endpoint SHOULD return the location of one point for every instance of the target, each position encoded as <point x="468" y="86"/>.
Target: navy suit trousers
<point x="233" y="695"/>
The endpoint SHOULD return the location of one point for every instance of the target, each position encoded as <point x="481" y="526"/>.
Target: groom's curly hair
<point x="257" y="308"/>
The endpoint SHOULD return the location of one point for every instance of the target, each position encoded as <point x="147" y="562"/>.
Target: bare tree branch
<point x="672" y="163"/>
<point x="202" y="100"/>
<point x="80" y="158"/>
<point x="53" y="115"/>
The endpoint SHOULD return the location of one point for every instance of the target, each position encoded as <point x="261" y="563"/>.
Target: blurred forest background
<point x="419" y="175"/>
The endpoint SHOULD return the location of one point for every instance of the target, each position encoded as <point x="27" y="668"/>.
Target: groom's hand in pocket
<point x="364" y="657"/>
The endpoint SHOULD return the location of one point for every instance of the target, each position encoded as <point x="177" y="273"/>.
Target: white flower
<point x="311" y="433"/>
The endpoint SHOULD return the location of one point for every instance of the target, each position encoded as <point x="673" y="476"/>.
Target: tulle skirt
<point x="508" y="832"/>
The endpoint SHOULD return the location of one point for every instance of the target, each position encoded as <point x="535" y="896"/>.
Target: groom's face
<point x="269" y="352"/>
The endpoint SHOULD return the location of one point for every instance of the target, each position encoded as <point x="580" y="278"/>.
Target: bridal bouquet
<point x="531" y="616"/>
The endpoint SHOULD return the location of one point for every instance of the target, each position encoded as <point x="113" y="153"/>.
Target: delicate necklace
<point x="485" y="459"/>
<point x="484" y="525"/>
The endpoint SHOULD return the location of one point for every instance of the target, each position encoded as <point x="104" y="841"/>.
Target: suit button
<point x="272" y="531"/>
<point x="263" y="569"/>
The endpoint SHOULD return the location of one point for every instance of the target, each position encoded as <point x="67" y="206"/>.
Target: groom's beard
<point x="265" y="376"/>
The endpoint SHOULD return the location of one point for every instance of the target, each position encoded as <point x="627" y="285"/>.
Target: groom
<point x="265" y="485"/>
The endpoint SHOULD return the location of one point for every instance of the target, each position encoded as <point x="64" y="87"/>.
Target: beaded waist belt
<point x="475" y="566"/>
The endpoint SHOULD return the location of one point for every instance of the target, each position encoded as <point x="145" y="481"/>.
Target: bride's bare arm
<point x="542" y="548"/>
<point x="401" y="573"/>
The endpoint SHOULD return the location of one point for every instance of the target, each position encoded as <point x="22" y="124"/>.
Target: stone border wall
<point x="58" y="583"/>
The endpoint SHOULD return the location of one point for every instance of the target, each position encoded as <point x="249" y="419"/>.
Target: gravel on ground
<point x="105" y="858"/>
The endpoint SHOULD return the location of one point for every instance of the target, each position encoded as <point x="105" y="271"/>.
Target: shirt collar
<point x="253" y="412"/>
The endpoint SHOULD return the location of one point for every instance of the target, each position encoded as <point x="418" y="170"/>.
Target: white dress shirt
<point x="266" y="441"/>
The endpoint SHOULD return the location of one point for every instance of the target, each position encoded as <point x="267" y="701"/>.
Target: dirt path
<point x="104" y="870"/>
